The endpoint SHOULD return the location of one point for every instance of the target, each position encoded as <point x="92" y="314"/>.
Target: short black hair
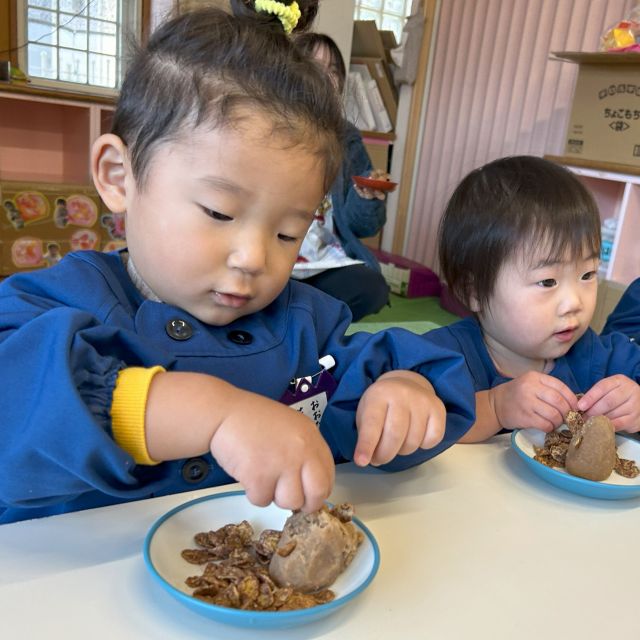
<point x="511" y="204"/>
<point x="309" y="43"/>
<point x="207" y="67"/>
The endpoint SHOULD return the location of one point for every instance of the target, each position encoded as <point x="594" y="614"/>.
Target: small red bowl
<point x="379" y="185"/>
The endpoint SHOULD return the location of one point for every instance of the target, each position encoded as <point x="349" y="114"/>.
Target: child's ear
<point x="109" y="169"/>
<point x="473" y="304"/>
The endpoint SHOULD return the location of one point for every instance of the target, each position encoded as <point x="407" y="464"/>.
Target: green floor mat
<point x="414" y="314"/>
<point x="416" y="326"/>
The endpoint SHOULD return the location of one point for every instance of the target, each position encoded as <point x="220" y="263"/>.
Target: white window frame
<point x="379" y="12"/>
<point x="132" y="26"/>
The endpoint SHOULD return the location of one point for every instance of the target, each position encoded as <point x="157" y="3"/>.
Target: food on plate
<point x="592" y="450"/>
<point x="587" y="449"/>
<point x="315" y="548"/>
<point x="238" y="566"/>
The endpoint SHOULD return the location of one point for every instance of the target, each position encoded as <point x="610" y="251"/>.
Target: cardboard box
<point x="406" y="277"/>
<point x="378" y="151"/>
<point x="43" y="222"/>
<point x="367" y="41"/>
<point x="605" y="116"/>
<point x="389" y="43"/>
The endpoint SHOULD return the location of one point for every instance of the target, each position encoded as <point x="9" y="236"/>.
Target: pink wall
<point x="494" y="92"/>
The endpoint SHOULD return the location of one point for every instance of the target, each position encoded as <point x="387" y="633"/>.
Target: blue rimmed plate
<point x="615" y="487"/>
<point x="174" y="532"/>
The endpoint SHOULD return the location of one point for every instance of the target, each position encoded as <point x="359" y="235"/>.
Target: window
<point x="390" y="15"/>
<point x="76" y="44"/>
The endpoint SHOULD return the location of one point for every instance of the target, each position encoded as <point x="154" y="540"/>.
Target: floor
<point x="415" y="314"/>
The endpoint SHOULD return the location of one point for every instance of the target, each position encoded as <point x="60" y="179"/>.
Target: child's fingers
<point x="539" y="420"/>
<point x="394" y="434"/>
<point x="317" y="484"/>
<point x="614" y="404"/>
<point x="370" y="419"/>
<point x="594" y="399"/>
<point x="549" y="414"/>
<point x="623" y="416"/>
<point x="557" y="394"/>
<point x="435" y="429"/>
<point x="289" y="493"/>
<point x="364" y="192"/>
<point x="261" y="490"/>
<point x="415" y="435"/>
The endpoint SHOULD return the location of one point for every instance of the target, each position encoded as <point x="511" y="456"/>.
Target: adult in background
<point x="332" y="257"/>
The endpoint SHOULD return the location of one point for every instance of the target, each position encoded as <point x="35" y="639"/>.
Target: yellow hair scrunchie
<point x="287" y="14"/>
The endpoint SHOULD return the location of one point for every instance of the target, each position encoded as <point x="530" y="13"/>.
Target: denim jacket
<point x="355" y="217"/>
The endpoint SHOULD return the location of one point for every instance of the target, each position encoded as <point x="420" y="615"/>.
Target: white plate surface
<point x="174" y="532"/>
<point x="615" y="487"/>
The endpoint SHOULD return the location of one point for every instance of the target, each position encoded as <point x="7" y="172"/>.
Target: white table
<point x="473" y="545"/>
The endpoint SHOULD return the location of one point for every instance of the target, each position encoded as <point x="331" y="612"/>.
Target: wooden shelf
<point x="594" y="164"/>
<point x="28" y="90"/>
<point x="391" y="136"/>
<point x="48" y="139"/>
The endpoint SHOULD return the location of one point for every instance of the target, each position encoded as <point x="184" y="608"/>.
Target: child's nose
<point x="249" y="255"/>
<point x="571" y="301"/>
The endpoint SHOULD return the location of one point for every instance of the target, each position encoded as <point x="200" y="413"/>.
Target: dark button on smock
<point x="240" y="337"/>
<point x="179" y="329"/>
<point x="195" y="470"/>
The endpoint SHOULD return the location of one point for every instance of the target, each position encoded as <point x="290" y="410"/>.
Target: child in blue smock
<point x="519" y="244"/>
<point x="166" y="367"/>
<point x="626" y="315"/>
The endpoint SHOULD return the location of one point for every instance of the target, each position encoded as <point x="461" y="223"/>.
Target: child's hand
<point x="532" y="400"/>
<point x="276" y="453"/>
<point x="618" y="398"/>
<point x="397" y="414"/>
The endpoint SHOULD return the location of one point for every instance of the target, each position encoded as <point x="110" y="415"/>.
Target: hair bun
<point x="305" y="13"/>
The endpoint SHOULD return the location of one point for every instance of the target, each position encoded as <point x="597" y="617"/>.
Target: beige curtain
<point x="495" y="92"/>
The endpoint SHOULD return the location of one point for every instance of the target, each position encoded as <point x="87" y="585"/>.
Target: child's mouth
<point x="231" y="300"/>
<point x="566" y="335"/>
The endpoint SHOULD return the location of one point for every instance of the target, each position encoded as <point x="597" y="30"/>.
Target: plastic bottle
<point x="608" y="232"/>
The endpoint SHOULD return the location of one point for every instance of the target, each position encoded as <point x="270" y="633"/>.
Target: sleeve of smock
<point x="595" y="357"/>
<point x="362" y="358"/>
<point x="58" y="369"/>
<point x="626" y="315"/>
<point x="128" y="411"/>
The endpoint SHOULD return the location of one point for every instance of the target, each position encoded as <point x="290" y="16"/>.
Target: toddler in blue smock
<point x="519" y="244"/>
<point x="160" y="368"/>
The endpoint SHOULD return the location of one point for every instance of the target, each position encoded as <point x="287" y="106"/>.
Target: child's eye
<point x="547" y="282"/>
<point x="286" y="238"/>
<point x="216" y="215"/>
<point x="590" y="275"/>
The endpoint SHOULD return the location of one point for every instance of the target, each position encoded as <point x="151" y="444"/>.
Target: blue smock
<point x="66" y="332"/>
<point x="626" y="315"/>
<point x="590" y="359"/>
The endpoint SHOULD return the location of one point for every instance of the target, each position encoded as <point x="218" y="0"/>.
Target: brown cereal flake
<point x="235" y="573"/>
<point x="626" y="468"/>
<point x="556" y="443"/>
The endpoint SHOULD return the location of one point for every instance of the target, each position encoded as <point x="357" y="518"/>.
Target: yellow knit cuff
<point x="128" y="411"/>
